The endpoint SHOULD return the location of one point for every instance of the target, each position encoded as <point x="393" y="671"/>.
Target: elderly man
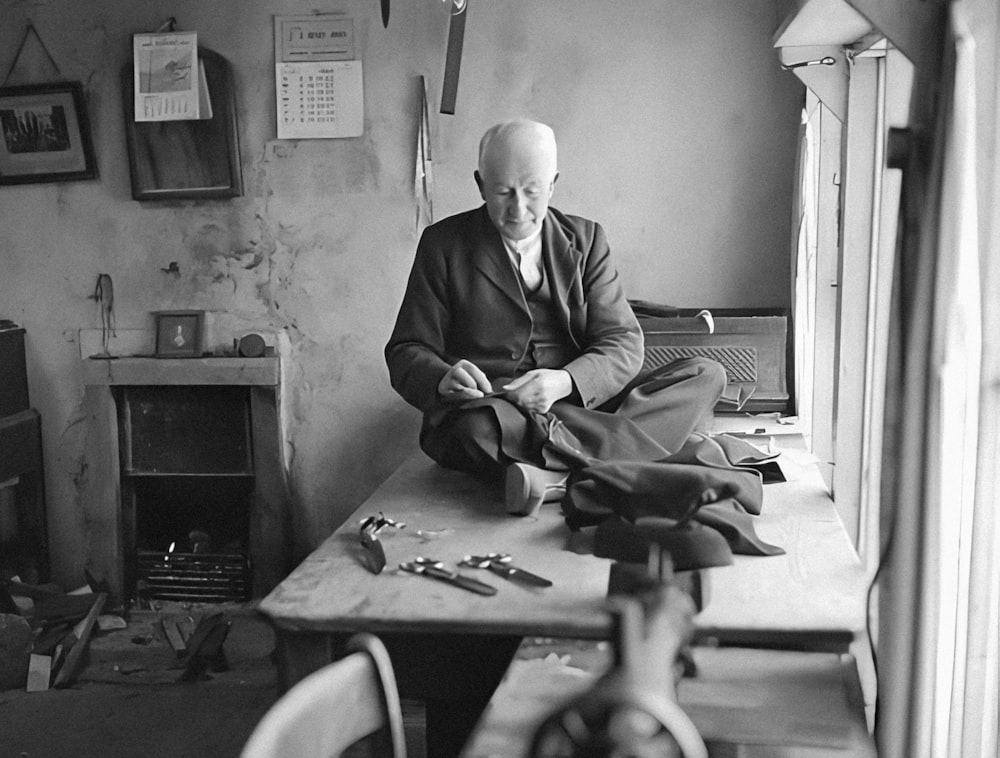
<point x="514" y="324"/>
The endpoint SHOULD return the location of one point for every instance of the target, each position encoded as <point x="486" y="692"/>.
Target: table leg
<point x="299" y="654"/>
<point x="455" y="677"/>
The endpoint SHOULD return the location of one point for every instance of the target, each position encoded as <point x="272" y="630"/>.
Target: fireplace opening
<point x="192" y="538"/>
<point x="188" y="488"/>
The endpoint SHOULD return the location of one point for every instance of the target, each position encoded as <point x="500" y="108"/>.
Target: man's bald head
<point x="517" y="174"/>
<point x="519" y="138"/>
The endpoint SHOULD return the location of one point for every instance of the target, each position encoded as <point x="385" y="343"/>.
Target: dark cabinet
<point x="24" y="550"/>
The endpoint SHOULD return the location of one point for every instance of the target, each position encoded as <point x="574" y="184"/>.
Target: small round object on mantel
<point x="251" y="346"/>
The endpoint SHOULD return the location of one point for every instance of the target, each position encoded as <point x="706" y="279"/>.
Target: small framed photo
<point x="179" y="334"/>
<point x="45" y="134"/>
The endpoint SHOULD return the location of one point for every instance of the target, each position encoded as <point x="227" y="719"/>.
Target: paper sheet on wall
<point x="423" y="173"/>
<point x="315" y="37"/>
<point x="167" y="76"/>
<point x="319" y="99"/>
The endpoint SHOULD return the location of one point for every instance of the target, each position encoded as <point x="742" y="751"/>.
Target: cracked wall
<point x="677" y="131"/>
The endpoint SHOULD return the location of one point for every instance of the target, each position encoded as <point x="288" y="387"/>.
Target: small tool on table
<point x="436" y="570"/>
<point x="374" y="555"/>
<point x="500" y="563"/>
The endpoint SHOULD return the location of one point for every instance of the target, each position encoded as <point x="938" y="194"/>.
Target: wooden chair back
<point x="334" y="708"/>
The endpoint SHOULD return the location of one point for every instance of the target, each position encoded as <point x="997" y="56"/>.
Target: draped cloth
<point x="698" y="504"/>
<point x="697" y="500"/>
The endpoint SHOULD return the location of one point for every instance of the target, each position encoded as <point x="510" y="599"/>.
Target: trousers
<point x="649" y="419"/>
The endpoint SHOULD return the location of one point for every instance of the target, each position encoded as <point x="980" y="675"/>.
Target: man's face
<point x="516" y="182"/>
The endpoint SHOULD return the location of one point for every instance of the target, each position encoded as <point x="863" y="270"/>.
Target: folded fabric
<point x="715" y="532"/>
<point x="742" y="453"/>
<point x="633" y="489"/>
<point x="696" y="504"/>
<point x="690" y="546"/>
<point x="616" y="469"/>
<point x="736" y="525"/>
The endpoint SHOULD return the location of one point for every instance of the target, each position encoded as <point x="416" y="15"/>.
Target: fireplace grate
<point x="196" y="577"/>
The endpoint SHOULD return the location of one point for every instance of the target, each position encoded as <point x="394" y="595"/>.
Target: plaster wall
<point x="677" y="131"/>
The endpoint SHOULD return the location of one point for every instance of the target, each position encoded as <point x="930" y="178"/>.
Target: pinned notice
<point x="168" y="81"/>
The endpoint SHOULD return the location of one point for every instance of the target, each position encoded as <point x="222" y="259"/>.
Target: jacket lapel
<point x="562" y="264"/>
<point x="560" y="257"/>
<point x="491" y="260"/>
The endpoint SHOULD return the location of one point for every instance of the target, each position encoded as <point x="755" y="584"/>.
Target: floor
<point x="129" y="702"/>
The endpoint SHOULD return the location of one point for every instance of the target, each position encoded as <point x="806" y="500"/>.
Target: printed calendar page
<point x="321" y="99"/>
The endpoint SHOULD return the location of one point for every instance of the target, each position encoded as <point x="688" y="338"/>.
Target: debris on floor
<point x="50" y="638"/>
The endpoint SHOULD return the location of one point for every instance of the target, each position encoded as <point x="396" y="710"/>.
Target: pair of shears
<point x="500" y="564"/>
<point x="436" y="570"/>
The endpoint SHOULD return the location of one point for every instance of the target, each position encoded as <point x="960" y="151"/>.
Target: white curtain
<point x="938" y="582"/>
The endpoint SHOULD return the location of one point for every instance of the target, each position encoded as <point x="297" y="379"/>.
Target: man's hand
<point x="537" y="390"/>
<point x="464" y="381"/>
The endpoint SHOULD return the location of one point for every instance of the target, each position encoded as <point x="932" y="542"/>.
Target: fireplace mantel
<point x="100" y="484"/>
<point x="152" y="371"/>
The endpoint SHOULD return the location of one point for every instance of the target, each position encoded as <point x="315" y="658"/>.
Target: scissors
<point x="436" y="570"/>
<point x="500" y="563"/>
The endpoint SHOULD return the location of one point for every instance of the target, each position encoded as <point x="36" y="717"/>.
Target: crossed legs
<point x="667" y="403"/>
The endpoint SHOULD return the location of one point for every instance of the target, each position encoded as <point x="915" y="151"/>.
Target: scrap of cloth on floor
<point x="698" y="502"/>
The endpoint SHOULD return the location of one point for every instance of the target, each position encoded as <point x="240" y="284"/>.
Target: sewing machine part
<point x="436" y="570"/>
<point x="500" y="564"/>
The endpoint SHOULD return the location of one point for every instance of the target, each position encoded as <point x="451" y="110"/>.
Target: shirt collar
<point x="520" y="247"/>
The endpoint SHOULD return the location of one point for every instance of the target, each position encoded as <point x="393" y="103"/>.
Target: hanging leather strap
<point x="104" y="294"/>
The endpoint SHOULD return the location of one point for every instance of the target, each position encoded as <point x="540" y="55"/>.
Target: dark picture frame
<point x="45" y="134"/>
<point x="186" y="159"/>
<point x="179" y="334"/>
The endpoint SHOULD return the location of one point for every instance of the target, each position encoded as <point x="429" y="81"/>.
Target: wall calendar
<point x="318" y="86"/>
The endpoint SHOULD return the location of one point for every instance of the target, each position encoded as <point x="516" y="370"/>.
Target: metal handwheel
<point x="632" y="711"/>
<point x="613" y="722"/>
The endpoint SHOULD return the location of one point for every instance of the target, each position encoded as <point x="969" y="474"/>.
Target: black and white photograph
<point x="500" y="379"/>
<point x="46" y="134"/>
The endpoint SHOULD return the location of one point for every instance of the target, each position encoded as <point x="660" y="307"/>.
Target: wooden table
<point x="451" y="647"/>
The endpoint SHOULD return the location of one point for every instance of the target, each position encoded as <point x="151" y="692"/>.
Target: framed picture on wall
<point x="45" y="134"/>
<point x="191" y="159"/>
<point x="179" y="334"/>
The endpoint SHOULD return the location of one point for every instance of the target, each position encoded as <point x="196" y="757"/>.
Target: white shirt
<point x="526" y="256"/>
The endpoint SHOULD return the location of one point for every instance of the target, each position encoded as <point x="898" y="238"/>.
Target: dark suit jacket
<point x="463" y="300"/>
